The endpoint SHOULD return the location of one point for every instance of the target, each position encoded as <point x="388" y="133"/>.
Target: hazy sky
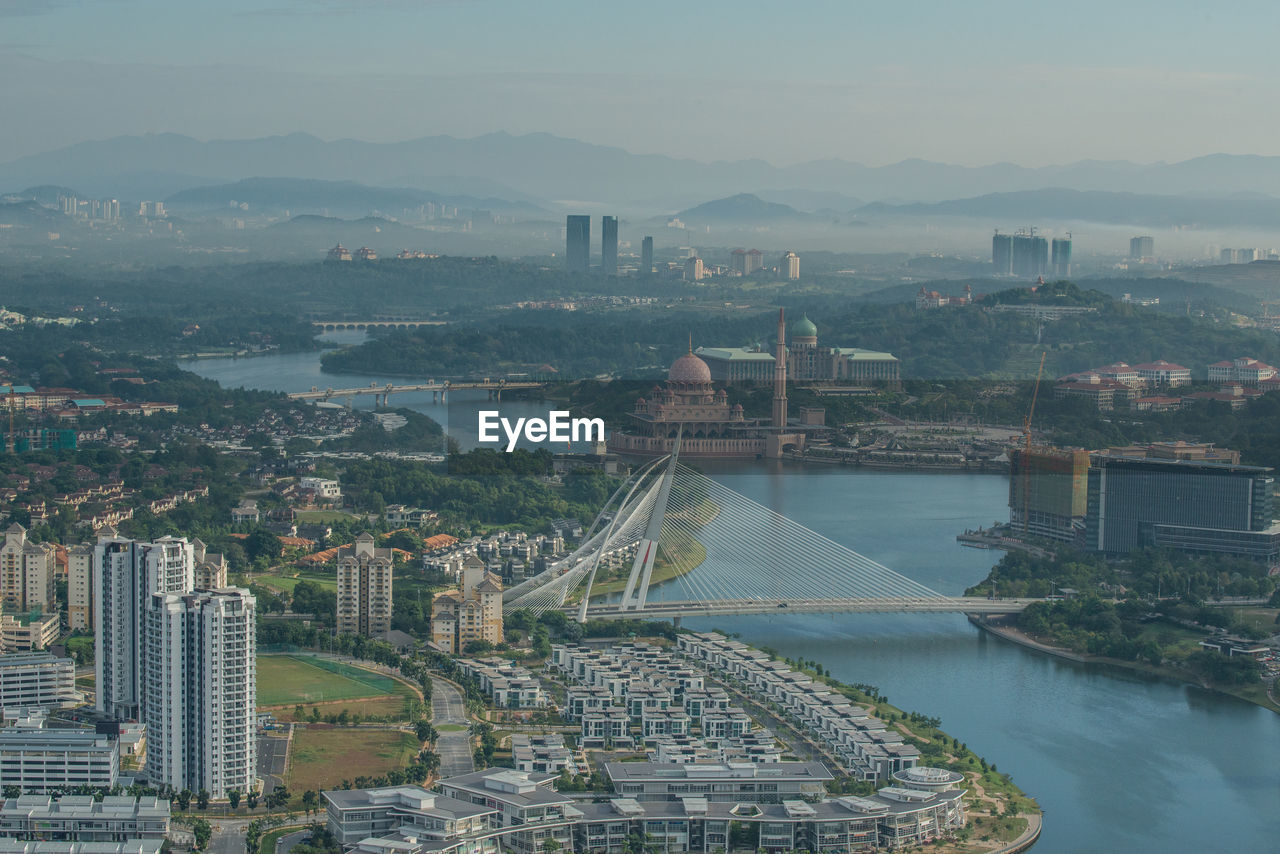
<point x="875" y="82"/>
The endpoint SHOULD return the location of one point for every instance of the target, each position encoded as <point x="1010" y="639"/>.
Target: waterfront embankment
<point x="1000" y="627"/>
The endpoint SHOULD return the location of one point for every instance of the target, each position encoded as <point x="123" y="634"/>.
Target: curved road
<point x="448" y="709"/>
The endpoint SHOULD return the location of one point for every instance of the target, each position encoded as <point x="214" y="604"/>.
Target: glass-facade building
<point x="1193" y="506"/>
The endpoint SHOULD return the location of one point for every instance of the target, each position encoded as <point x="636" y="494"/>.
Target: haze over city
<point x="534" y="426"/>
<point x="873" y="83"/>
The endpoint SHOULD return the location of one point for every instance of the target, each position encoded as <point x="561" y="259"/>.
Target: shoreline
<point x="1172" y="674"/>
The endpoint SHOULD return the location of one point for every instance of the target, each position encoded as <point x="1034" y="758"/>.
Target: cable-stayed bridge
<point x="673" y="543"/>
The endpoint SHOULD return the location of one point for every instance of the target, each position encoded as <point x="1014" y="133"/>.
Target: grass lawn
<point x="322" y="757"/>
<point x="292" y="679"/>
<point x="267" y="845"/>
<point x="323" y="516"/>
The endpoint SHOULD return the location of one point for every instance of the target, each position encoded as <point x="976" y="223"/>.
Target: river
<point x="1118" y="761"/>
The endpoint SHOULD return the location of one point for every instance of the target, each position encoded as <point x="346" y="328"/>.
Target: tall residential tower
<point x="577" y="243"/>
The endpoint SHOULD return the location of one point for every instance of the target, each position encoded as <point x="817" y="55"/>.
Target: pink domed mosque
<point x="712" y="428"/>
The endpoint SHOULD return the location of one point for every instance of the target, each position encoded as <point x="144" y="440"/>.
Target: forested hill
<point x="952" y="343"/>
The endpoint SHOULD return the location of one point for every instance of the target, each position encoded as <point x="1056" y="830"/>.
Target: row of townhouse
<point x="784" y="808"/>
<point x="644" y="686"/>
<point x="864" y="744"/>
<point x="509" y="686"/>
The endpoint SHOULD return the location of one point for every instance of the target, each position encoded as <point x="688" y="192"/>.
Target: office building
<point x="1188" y="505"/>
<point x="37" y="680"/>
<point x="1030" y="254"/>
<point x="525" y="802"/>
<point x="200" y="685"/>
<point x="364" y="587"/>
<point x="126" y="574"/>
<point x="789" y="267"/>
<point x="1244" y="370"/>
<point x="1002" y="254"/>
<point x="81" y="818"/>
<point x="356" y="815"/>
<point x="1061" y="257"/>
<point x="740" y="783"/>
<point x="646" y="256"/>
<point x="577" y="243"/>
<point x="694" y="271"/>
<point x="609" y="245"/>
<point x="473" y="612"/>
<point x="1142" y="248"/>
<point x="1048" y="492"/>
<point x="27" y="572"/>
<point x="80" y="587"/>
<point x="45" y="760"/>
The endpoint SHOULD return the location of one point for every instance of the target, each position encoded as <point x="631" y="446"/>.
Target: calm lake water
<point x="1119" y="762"/>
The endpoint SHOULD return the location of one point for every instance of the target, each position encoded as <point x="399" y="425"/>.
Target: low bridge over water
<point x="439" y="390"/>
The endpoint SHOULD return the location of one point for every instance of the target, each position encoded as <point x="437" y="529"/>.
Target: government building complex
<point x="691" y="407"/>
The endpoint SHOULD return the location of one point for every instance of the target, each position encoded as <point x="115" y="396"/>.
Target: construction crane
<point x="1026" y="450"/>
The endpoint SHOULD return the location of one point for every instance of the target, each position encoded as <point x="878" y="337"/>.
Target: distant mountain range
<point x="741" y="209"/>
<point x="542" y="166"/>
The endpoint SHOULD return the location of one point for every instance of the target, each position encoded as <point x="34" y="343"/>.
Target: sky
<point x="873" y="82"/>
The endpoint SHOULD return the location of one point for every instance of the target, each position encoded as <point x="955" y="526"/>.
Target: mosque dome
<point x="689" y="369"/>
<point x="804" y="328"/>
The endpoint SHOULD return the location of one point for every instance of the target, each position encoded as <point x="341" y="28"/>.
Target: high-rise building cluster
<point x="180" y="660"/>
<point x="1025" y="253"/>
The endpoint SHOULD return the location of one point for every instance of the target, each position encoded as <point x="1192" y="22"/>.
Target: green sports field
<point x="293" y="679"/>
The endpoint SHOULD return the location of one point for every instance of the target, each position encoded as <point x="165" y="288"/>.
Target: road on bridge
<point x="869" y="605"/>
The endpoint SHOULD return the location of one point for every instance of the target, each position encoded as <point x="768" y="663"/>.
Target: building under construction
<point x="1048" y="492"/>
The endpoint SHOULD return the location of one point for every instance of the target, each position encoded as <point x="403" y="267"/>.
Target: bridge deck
<point x="937" y="605"/>
<point x="326" y="393"/>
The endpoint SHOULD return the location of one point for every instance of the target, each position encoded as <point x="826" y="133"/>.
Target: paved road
<point x="228" y="837"/>
<point x="447" y="708"/>
<point x="273" y="752"/>
<point x="286" y="842"/>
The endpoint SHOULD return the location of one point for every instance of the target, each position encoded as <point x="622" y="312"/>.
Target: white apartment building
<point x="26" y="573"/>
<point x="80" y="587"/>
<point x="200" y="685"/>
<point x="126" y="573"/>
<point x="364" y="587"/>
<point x="37" y="680"/>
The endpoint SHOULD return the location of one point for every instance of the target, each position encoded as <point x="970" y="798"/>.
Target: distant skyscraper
<point x="200" y="685"/>
<point x="646" y="256"/>
<point x="1002" y="254"/>
<point x="577" y="243"/>
<point x="609" y="245"/>
<point x="790" y="266"/>
<point x="1142" y="247"/>
<point x="1030" y="255"/>
<point x="1062" y="257"/>
<point x="126" y="573"/>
